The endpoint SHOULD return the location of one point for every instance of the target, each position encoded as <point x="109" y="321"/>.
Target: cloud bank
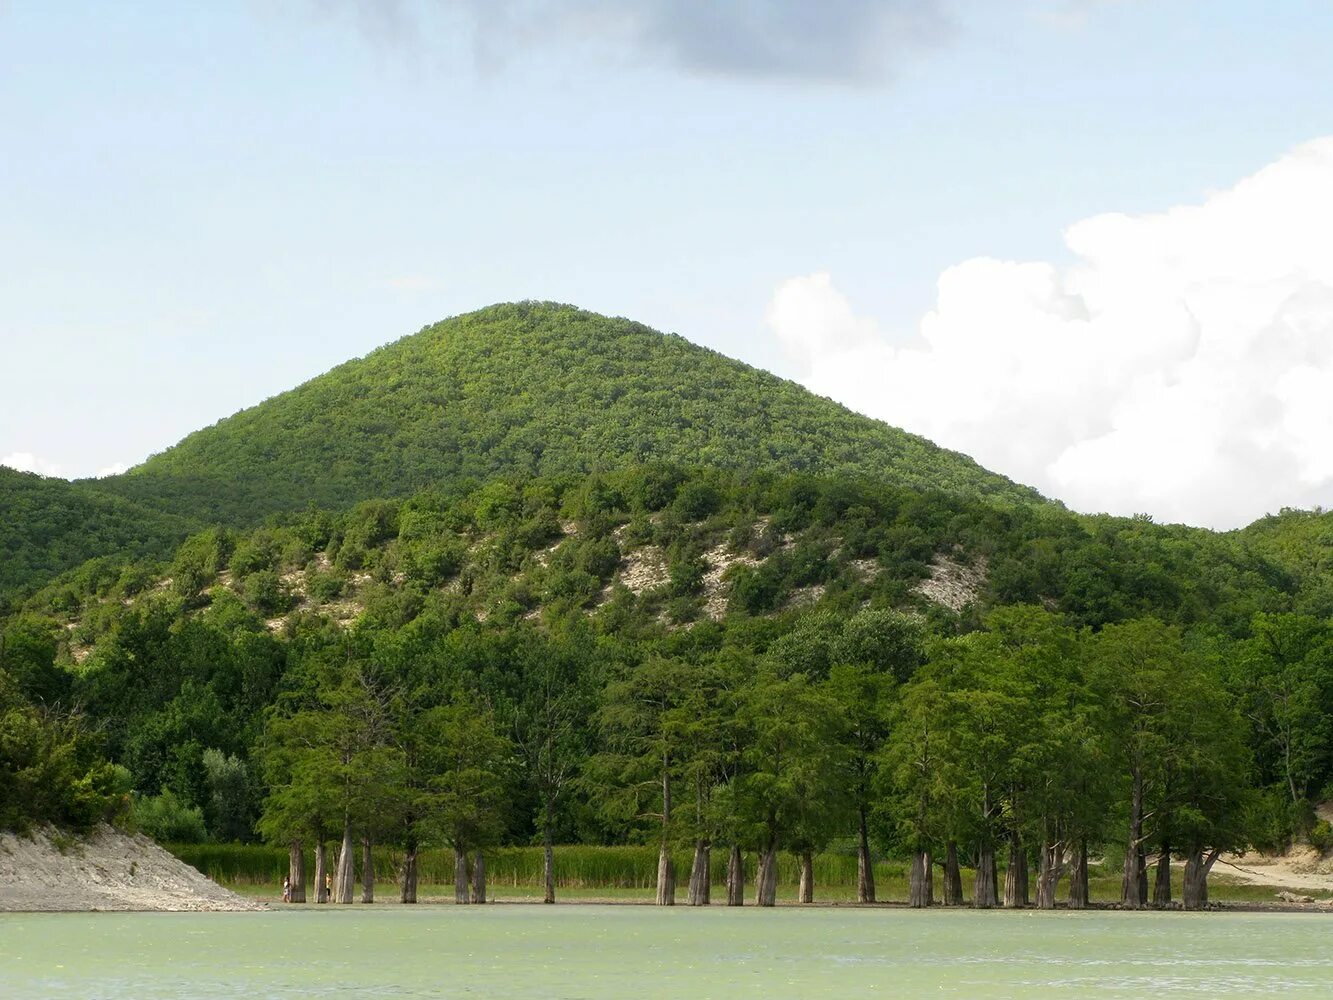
<point x="1182" y="366"/>
<point x="848" y="41"/>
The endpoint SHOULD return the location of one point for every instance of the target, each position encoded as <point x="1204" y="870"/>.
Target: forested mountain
<point x="510" y="579"/>
<point x="525" y="388"/>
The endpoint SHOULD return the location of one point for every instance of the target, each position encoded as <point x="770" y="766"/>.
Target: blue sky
<point x="204" y="204"/>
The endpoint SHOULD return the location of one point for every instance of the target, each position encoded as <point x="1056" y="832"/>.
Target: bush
<point x="698" y="499"/>
<point x="260" y="552"/>
<point x="1321" y="836"/>
<point x="325" y="587"/>
<point x="165" y="817"/>
<point x="265" y="592"/>
<point x="434" y="562"/>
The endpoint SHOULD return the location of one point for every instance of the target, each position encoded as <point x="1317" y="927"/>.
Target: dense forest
<point x="537" y="577"/>
<point x="691" y="656"/>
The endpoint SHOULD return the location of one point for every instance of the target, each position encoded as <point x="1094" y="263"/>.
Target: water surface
<point x="593" y="952"/>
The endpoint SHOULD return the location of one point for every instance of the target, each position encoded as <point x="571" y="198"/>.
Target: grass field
<point x="622" y="874"/>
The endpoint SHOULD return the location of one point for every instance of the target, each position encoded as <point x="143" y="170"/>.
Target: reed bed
<point x="619" y="872"/>
<point x="576" y="866"/>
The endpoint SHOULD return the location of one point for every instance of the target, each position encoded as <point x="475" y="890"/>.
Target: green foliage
<point x="51" y="768"/>
<point x="165" y="817"/>
<point x="230" y="807"/>
<point x="1321" y="836"/>
<point x="29" y="646"/>
<point x="266" y="593"/>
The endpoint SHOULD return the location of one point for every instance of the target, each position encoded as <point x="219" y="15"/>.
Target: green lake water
<point x="591" y="952"/>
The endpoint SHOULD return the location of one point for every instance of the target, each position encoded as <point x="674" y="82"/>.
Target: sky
<point x="1084" y="241"/>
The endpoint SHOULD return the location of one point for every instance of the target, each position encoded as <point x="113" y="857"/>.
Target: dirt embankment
<point x="107" y="870"/>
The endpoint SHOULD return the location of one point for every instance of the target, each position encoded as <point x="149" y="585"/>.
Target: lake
<point x="641" y="951"/>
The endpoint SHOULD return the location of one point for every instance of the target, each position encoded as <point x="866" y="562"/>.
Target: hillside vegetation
<point x="529" y="388"/>
<point x="208" y="671"/>
<point x="666" y="547"/>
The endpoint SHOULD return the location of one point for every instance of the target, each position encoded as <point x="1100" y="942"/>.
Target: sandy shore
<point x="107" y="870"/>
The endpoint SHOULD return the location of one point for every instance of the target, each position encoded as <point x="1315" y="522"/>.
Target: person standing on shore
<point x="328" y="886"/>
<point x="286" y="888"/>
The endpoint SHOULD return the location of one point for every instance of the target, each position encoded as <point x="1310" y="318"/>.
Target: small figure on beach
<point x="328" y="886"/>
<point x="286" y="888"/>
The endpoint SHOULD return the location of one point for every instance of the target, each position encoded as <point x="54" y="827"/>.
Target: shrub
<point x="326" y="586"/>
<point x="265" y="592"/>
<point x="1321" y="836"/>
<point x="165" y="817"/>
<point x="259" y="552"/>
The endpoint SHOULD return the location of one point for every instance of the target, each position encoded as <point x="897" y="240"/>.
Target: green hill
<point x="530" y="388"/>
<point x="49" y="526"/>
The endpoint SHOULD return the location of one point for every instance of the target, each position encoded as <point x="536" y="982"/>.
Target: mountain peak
<point x="526" y="387"/>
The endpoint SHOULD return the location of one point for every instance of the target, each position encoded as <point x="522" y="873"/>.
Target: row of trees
<point x="1027" y="739"/>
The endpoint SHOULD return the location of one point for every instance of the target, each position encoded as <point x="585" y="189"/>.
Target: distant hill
<point x="527" y="388"/>
<point x="48" y="526"/>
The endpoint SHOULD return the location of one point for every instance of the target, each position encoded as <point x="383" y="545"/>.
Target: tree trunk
<point x="408" y="893"/>
<point x="806" y="891"/>
<point x="921" y="888"/>
<point x="1078" y="878"/>
<point x="479" y="879"/>
<point x="865" y="866"/>
<point x="296" y="870"/>
<point x="321" y="872"/>
<point x="1050" y="866"/>
<point x="701" y="874"/>
<point x="666" y="868"/>
<point x="1016" y="874"/>
<point x="462" y="879"/>
<point x="1161" y="890"/>
<point x="666" y="877"/>
<point x="736" y="877"/>
<point x="1132" y="897"/>
<point x="1197" y="867"/>
<point x="766" y="882"/>
<point x="983" y="890"/>
<point x="548" y="858"/>
<point x="953" y="876"/>
<point x="344" y="879"/>
<point x="367" y="872"/>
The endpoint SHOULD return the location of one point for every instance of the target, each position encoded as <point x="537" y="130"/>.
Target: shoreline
<point x="264" y="904"/>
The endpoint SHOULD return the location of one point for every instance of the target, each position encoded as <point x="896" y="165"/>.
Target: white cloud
<point x="114" y="469"/>
<point x="1182" y="366"/>
<point x="26" y="461"/>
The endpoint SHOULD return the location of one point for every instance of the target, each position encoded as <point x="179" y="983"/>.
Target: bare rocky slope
<point x="107" y="870"/>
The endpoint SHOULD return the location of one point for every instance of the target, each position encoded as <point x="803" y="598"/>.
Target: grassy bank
<point x="627" y="873"/>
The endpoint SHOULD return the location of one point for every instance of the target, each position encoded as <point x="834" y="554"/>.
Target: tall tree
<point x="555" y="699"/>
<point x="469" y="761"/>
<point x="648" y="720"/>
<point x="792" y="765"/>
